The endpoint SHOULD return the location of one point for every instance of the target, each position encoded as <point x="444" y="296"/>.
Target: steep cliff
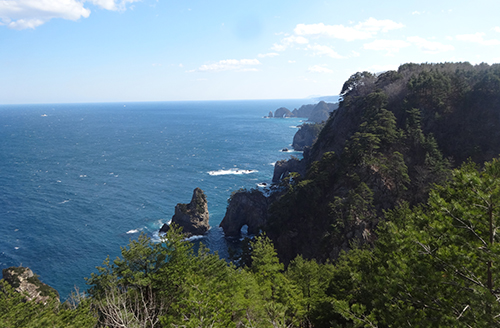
<point x="306" y="136"/>
<point x="393" y="136"/>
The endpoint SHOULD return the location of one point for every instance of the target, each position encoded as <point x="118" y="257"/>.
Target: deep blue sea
<point x="77" y="181"/>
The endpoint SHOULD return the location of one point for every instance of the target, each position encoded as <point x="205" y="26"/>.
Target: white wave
<point x="16" y="247"/>
<point x="231" y="171"/>
<point x="192" y="238"/>
<point x="293" y="126"/>
<point x="262" y="184"/>
<point x="44" y="115"/>
<point x="272" y="164"/>
<point x="135" y="230"/>
<point x="65" y="201"/>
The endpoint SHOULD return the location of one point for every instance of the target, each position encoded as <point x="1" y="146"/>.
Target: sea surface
<point x="77" y="181"/>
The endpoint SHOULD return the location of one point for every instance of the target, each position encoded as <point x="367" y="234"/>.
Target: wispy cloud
<point x="24" y="14"/>
<point x="289" y="41"/>
<point x="430" y="47"/>
<point x="241" y="65"/>
<point x="319" y="50"/>
<point x="477" y="38"/>
<point x="270" y="54"/>
<point x="389" y="46"/>
<point x="319" y="69"/>
<point x="361" y="31"/>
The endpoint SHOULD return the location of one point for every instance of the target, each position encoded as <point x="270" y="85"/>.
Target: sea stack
<point x="192" y="217"/>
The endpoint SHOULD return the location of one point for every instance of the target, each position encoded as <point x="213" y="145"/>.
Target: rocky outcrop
<point x="23" y="280"/>
<point x="306" y="136"/>
<point x="245" y="208"/>
<point x="192" y="217"/>
<point x="322" y="111"/>
<point x="283" y="112"/>
<point x="284" y="167"/>
<point x="313" y="112"/>
<point x="303" y="111"/>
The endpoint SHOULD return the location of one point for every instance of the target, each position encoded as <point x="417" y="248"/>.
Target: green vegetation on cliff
<point x="380" y="231"/>
<point x="393" y="137"/>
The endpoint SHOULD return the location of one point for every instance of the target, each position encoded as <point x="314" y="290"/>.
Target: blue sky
<point x="59" y="51"/>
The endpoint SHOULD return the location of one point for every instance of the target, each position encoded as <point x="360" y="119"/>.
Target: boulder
<point x="23" y="280"/>
<point x="192" y="217"/>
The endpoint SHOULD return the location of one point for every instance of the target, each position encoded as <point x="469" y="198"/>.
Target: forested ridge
<point x="393" y="225"/>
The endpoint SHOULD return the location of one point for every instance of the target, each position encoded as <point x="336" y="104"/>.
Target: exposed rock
<point x="283" y="168"/>
<point x="283" y="112"/>
<point x="245" y="208"/>
<point x="192" y="217"/>
<point x="270" y="114"/>
<point x="306" y="136"/>
<point x="23" y="280"/>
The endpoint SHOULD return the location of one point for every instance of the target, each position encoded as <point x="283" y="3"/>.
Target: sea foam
<point x="231" y="171"/>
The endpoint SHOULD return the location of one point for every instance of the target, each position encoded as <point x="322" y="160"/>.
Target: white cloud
<point x="430" y="47"/>
<point x="289" y="41"/>
<point x="23" y="14"/>
<point x="390" y="46"/>
<point x="319" y="69"/>
<point x="477" y="38"/>
<point x="291" y="61"/>
<point x="361" y="31"/>
<point x="242" y="65"/>
<point x="496" y="29"/>
<point x="112" y="4"/>
<point x="320" y="50"/>
<point x="270" y="54"/>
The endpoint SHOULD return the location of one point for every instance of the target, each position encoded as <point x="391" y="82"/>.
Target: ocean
<point x="77" y="181"/>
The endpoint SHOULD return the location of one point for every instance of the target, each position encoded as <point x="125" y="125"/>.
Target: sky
<point x="71" y="51"/>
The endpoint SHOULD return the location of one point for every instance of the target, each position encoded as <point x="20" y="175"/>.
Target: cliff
<point x="192" y="217"/>
<point x="393" y="137"/>
<point x="23" y="280"/>
<point x="306" y="136"/>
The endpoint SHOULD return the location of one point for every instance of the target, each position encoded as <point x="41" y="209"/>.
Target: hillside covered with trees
<point x="393" y="225"/>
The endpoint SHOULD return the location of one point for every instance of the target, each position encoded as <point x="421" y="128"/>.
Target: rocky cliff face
<point x="284" y="167"/>
<point x="192" y="217"/>
<point x="245" y="208"/>
<point x="393" y="136"/>
<point x="23" y="280"/>
<point x="306" y="136"/>
<point x="321" y="112"/>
